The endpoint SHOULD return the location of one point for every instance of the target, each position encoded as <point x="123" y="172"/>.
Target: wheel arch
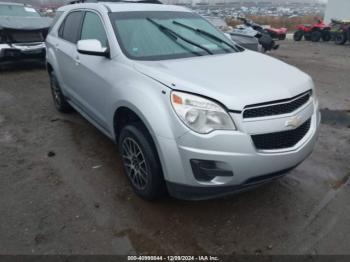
<point x="123" y="116"/>
<point x="127" y="114"/>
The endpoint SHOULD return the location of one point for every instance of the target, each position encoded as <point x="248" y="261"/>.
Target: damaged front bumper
<point x="22" y="51"/>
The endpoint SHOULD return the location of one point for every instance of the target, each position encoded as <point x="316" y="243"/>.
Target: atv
<point x="314" y="32"/>
<point x="275" y="33"/>
<point x="340" y="31"/>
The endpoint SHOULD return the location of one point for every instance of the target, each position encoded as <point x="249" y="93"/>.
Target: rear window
<point x="69" y="29"/>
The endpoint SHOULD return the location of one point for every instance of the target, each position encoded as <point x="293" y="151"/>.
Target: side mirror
<point x="92" y="47"/>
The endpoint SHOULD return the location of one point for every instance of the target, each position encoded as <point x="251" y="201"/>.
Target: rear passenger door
<point x="65" y="47"/>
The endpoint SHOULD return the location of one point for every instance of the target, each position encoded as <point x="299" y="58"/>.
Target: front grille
<point x="26" y="36"/>
<point x="280" y="140"/>
<point x="285" y="107"/>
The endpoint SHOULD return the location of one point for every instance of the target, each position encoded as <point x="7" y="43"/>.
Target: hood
<point x="25" y="23"/>
<point x="235" y="80"/>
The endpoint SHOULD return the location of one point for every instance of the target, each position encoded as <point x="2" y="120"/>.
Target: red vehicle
<point x="277" y="33"/>
<point x="314" y="32"/>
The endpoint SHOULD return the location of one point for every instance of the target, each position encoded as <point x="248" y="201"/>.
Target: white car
<point x="192" y="113"/>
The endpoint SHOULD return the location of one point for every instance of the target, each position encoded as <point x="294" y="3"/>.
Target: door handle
<point x="77" y="60"/>
<point x="56" y="47"/>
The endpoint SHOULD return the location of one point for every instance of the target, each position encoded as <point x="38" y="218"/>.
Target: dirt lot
<point x="78" y="201"/>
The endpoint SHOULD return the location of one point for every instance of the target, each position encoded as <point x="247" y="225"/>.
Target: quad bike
<point x="314" y="32"/>
<point x="252" y="29"/>
<point x="275" y="33"/>
<point x="340" y="31"/>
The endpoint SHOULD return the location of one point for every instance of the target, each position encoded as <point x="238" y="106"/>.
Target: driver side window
<point x="93" y="29"/>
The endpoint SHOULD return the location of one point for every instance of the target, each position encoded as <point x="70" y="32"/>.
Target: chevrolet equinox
<point x="193" y="114"/>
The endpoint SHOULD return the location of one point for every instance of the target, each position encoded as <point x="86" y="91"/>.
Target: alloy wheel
<point x="135" y="163"/>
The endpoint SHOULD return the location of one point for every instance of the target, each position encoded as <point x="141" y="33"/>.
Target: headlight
<point x="200" y="114"/>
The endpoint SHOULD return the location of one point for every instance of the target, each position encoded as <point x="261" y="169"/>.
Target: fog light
<point x="207" y="170"/>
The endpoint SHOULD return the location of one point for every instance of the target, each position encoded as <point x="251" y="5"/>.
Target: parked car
<point x="192" y="113"/>
<point x="340" y="31"/>
<point x="247" y="41"/>
<point x="22" y="32"/>
<point x="243" y="39"/>
<point x="249" y="28"/>
<point x="314" y="32"/>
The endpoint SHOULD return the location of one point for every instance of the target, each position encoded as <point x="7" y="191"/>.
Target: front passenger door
<point x="91" y="85"/>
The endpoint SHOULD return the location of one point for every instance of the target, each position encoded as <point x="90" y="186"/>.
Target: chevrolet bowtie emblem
<point x="294" y="122"/>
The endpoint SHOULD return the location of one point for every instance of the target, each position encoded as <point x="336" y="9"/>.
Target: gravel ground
<point x="62" y="190"/>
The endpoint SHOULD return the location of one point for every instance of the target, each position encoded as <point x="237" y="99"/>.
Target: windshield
<point x="18" y="10"/>
<point x="167" y="35"/>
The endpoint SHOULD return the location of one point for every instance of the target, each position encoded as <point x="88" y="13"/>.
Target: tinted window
<point x="93" y="29"/>
<point x="71" y="27"/>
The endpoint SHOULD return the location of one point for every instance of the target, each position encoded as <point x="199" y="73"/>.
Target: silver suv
<point x="193" y="113"/>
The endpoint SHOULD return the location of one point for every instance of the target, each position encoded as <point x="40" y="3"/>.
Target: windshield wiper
<point x="169" y="31"/>
<point x="200" y="31"/>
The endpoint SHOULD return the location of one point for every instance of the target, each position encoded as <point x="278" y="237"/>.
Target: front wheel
<point x="140" y="161"/>
<point x="298" y="35"/>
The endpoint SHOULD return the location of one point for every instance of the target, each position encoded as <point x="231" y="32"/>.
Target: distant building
<point x="339" y="9"/>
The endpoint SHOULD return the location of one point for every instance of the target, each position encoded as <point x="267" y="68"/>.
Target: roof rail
<point x="117" y="1"/>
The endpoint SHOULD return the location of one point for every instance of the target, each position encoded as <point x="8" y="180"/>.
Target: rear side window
<point x="70" y="28"/>
<point x="93" y="29"/>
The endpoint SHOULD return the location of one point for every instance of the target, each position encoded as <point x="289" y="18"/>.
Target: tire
<point x="326" y="36"/>
<point x="282" y="37"/>
<point x="59" y="100"/>
<point x="307" y="36"/>
<point x="141" y="162"/>
<point x="340" y="39"/>
<point x="298" y="35"/>
<point x="316" y="36"/>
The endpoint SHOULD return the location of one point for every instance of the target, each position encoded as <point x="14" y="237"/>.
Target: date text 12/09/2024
<point x="173" y="258"/>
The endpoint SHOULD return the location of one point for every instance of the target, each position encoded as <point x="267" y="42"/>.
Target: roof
<point x="125" y="7"/>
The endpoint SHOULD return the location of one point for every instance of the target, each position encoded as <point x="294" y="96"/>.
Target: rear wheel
<point x="340" y="39"/>
<point x="140" y="161"/>
<point x="298" y="35"/>
<point x="316" y="36"/>
<point x="326" y="36"/>
<point x="59" y="100"/>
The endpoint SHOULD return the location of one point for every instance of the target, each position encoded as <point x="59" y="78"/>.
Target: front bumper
<point x="234" y="149"/>
<point x="15" y="52"/>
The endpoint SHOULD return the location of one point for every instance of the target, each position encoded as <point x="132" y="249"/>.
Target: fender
<point x="150" y="100"/>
